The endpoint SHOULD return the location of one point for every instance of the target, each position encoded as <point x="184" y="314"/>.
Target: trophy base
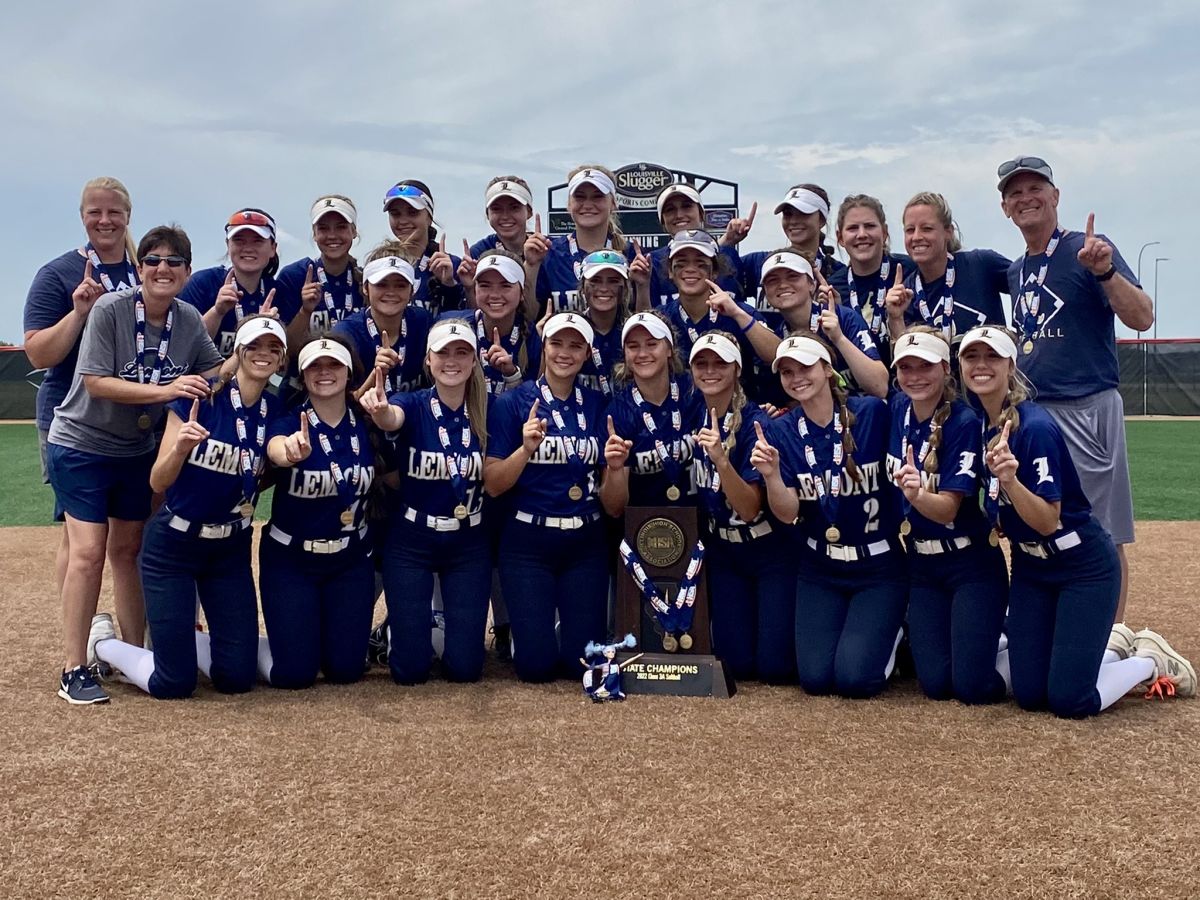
<point x="676" y="675"/>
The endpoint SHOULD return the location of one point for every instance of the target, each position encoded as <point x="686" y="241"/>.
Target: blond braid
<point x="848" y="419"/>
<point x="949" y="392"/>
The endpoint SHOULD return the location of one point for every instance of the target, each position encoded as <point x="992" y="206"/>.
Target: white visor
<point x="726" y="349"/>
<point x="994" y="337"/>
<point x="594" y="177"/>
<point x="256" y="328"/>
<point x="573" y="321"/>
<point x="675" y="189"/>
<point x="803" y="350"/>
<point x="450" y="330"/>
<point x="511" y="270"/>
<point x="792" y="261"/>
<point x="261" y="230"/>
<point x="314" y="350"/>
<point x="922" y="345"/>
<point x="652" y="323"/>
<point x="378" y="269"/>
<point x="343" y="208"/>
<point x="507" y="189"/>
<point x="804" y="200"/>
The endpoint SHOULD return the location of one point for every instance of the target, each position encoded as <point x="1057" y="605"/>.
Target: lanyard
<point x="131" y="278"/>
<point x="669" y="446"/>
<point x="574" y="436"/>
<point x="711" y="492"/>
<point x="249" y="452"/>
<point x="991" y="500"/>
<point x="457" y="466"/>
<point x="346" y="485"/>
<point x="671" y="617"/>
<point x="1031" y="298"/>
<point x="874" y="303"/>
<point x="598" y="364"/>
<point x="139" y="340"/>
<point x="392" y="378"/>
<point x="943" y="319"/>
<point x="827" y="498"/>
<point x="335" y="288"/>
<point x="495" y="378"/>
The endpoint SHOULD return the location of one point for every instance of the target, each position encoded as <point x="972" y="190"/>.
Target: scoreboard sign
<point x="638" y="187"/>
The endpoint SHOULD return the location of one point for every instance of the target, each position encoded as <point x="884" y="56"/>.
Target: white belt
<point x="1049" y="548"/>
<point x="333" y="545"/>
<point x="438" y="523"/>
<point x="567" y="523"/>
<point x="744" y="533"/>
<point x="209" y="532"/>
<point x="846" y="553"/>
<point x="928" y="548"/>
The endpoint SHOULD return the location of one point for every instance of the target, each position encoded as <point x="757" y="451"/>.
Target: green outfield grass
<point x="1164" y="461"/>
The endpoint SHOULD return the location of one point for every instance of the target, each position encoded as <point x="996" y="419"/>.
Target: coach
<point x="1066" y="289"/>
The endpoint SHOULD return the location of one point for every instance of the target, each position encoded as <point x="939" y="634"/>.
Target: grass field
<point x="1164" y="462"/>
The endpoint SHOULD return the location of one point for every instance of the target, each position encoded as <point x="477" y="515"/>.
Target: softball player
<point x="821" y="463"/>
<point x="409" y="206"/>
<point x="750" y="561"/>
<point x="1065" y="575"/>
<point x="681" y="209"/>
<point x="508" y="205"/>
<point x="651" y="422"/>
<point x="435" y="520"/>
<point x="604" y="287"/>
<point x="226" y="296"/>
<point x="544" y="442"/>
<point x="198" y="543"/>
<point x="315" y="571"/>
<point x="949" y="288"/>
<point x="958" y="580"/>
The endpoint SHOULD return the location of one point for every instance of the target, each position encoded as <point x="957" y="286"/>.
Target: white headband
<point x="343" y="208"/>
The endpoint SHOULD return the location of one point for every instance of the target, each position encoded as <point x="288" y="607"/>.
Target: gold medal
<point x="144" y="421"/>
<point x="672" y="493"/>
<point x="576" y="492"/>
<point x="347" y="517"/>
<point x="1027" y="347"/>
<point x="460" y="512"/>
<point x="832" y="534"/>
<point x="906" y="528"/>
<point x="669" y="643"/>
<point x="246" y="509"/>
<point x="994" y="538"/>
<point x="685" y="641"/>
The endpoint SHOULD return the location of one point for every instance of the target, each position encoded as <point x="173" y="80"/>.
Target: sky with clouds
<point x="202" y="109"/>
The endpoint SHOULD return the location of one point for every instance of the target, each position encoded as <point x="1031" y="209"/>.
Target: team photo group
<point x="463" y="434"/>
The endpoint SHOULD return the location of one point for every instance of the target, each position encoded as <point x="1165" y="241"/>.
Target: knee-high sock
<point x="204" y="653"/>
<point x="1005" y="671"/>
<point x="1110" y="656"/>
<point x="136" y="664"/>
<point x="891" y="663"/>
<point x="1118" y="678"/>
<point x="265" y="660"/>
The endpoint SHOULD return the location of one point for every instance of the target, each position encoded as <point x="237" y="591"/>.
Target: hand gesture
<point x="84" y="297"/>
<point x="268" y="305"/>
<point x="499" y="358"/>
<point x="310" y="292"/>
<point x="466" y="268"/>
<point x="537" y="245"/>
<point x="616" y="448"/>
<point x="908" y="479"/>
<point x="229" y="294"/>
<point x="763" y="456"/>
<point x="738" y="229"/>
<point x="639" y="269"/>
<point x="533" y="432"/>
<point x="296" y="446"/>
<point x="709" y="437"/>
<point x="385" y="357"/>
<point x="186" y="386"/>
<point x="374" y="400"/>
<point x="1095" y="255"/>
<point x="721" y="301"/>
<point x="828" y="321"/>
<point x="1000" y="459"/>
<point x="190" y="432"/>
<point x="898" y="298"/>
<point x="441" y="266"/>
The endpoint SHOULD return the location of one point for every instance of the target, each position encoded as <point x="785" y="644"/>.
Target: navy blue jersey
<point x="715" y="506"/>
<point x="865" y="512"/>
<point x="662" y="288"/>
<point x="865" y="294"/>
<point x="1046" y="469"/>
<point x="980" y="277"/>
<point x="426" y="484"/>
<point x="542" y="489"/>
<point x="414" y="339"/>
<point x="766" y="383"/>
<point x="308" y="501"/>
<point x="558" y="278"/>
<point x="608" y="346"/>
<point x="430" y="294"/>
<point x="341" y="295"/>
<point x="48" y="300"/>
<point x="514" y="340"/>
<point x="201" y="292"/>
<point x="649" y="476"/>
<point x="750" y="277"/>
<point x="960" y="467"/>
<point x="484" y="244"/>
<point x="212" y="484"/>
<point x="688" y="330"/>
<point x="1073" y="329"/>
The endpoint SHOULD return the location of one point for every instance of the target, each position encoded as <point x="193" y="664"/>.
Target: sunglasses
<point x="406" y="191"/>
<point x="603" y="257"/>
<point x="1021" y="162"/>
<point x="250" y="217"/>
<point x="153" y="260"/>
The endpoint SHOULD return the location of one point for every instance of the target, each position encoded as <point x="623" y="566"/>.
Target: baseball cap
<point x="804" y="200"/>
<point x="672" y="190"/>
<point x="994" y="337"/>
<point x="378" y="269"/>
<point x="1010" y="168"/>
<point x="652" y="323"/>
<point x="597" y="262"/>
<point x="602" y="182"/>
<point x="513" y="189"/>
<point x="410" y="194"/>
<point x="321" y="347"/>
<point x="564" y="321"/>
<point x="921" y="344"/>
<point x="804" y="350"/>
<point x="718" y="344"/>
<point x="448" y="331"/>
<point x="343" y="208"/>
<point x="251" y="220"/>
<point x="696" y="239"/>
<point x="512" y="271"/>
<point x="786" y="259"/>
<point x="252" y="329"/>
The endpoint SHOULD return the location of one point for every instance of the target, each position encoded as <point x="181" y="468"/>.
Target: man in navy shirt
<point x="1067" y="290"/>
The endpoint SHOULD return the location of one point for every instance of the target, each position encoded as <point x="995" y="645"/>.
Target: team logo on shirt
<point x="966" y="464"/>
<point x="1042" y="464"/>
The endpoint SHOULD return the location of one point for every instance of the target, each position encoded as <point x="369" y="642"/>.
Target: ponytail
<point x="840" y="397"/>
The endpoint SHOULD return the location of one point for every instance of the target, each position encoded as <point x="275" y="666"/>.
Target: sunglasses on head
<point x="1021" y="162"/>
<point x="406" y="190"/>
<point x="250" y="217"/>
<point x="153" y="260"/>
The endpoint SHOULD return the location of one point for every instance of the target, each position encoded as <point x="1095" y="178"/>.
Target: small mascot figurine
<point x="602" y="680"/>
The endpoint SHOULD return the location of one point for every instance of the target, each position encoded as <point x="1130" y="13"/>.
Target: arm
<point x="614" y="484"/>
<point x="746" y="499"/>
<point x="500" y="474"/>
<point x="783" y="500"/>
<point x="50" y="344"/>
<point x="1131" y="304"/>
<point x="47" y="347"/>
<point x="1039" y="514"/>
<point x="179" y="439"/>
<point x="118" y="390"/>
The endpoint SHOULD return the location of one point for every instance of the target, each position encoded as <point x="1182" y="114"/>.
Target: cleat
<point x="1169" y="666"/>
<point x="377" y="646"/>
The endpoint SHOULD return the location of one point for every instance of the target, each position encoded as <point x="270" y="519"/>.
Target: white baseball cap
<point x="804" y="200"/>
<point x="719" y="344"/>
<point x="786" y="259"/>
<point x="923" y="345"/>
<point x="343" y="208"/>
<point x="804" y="350"/>
<point x="321" y="347"/>
<point x="513" y="189"/>
<point x="595" y="177"/>
<point x="672" y="190"/>
<point x="597" y="262"/>
<point x="378" y="269"/>
<point x="252" y="329"/>
<point x="695" y="238"/>
<point x="511" y="270"/>
<point x="996" y="338"/>
<point x="564" y="321"/>
<point x="447" y="331"/>
<point x="652" y="323"/>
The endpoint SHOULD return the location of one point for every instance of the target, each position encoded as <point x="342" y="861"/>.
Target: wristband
<point x="1107" y="276"/>
<point x="514" y="377"/>
<point x="750" y="325"/>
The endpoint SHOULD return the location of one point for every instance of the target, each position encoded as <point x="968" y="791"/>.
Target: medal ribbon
<point x="991" y="500"/>
<point x="1031" y="299"/>
<point x="347" y="487"/>
<point x="668" y="446"/>
<point x="493" y="377"/>
<point x="874" y="305"/>
<point x="944" y="318"/>
<point x="131" y="279"/>
<point x="456" y="465"/>
<point x="574" y="434"/>
<point x="250" y="452"/>
<point x="827" y="498"/>
<point x="336" y="290"/>
<point x="907" y="440"/>
<point x="711" y="493"/>
<point x="685" y="599"/>
<point x="139" y="340"/>
<point x="392" y="379"/>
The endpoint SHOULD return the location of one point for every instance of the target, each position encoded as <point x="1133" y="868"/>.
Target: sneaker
<point x="1174" y="675"/>
<point x="377" y="645"/>
<point x="1120" y="640"/>
<point x="502" y="642"/>
<point x="79" y="688"/>
<point x="102" y="630"/>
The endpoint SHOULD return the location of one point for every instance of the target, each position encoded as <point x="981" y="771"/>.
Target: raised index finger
<point x="537" y="223"/>
<point x="495" y="335"/>
<point x="899" y="275"/>
<point x="304" y="426"/>
<point x="908" y="458"/>
<point x="1004" y="434"/>
<point x="533" y="410"/>
<point x="753" y="213"/>
<point x="269" y="302"/>
<point x="308" y="276"/>
<point x="714" y="287"/>
<point x="87" y="270"/>
<point x="466" y="249"/>
<point x="1091" y="225"/>
<point x="713" y="414"/>
<point x="194" y="415"/>
<point x="229" y="276"/>
<point x="758" y="431"/>
<point x="612" y="429"/>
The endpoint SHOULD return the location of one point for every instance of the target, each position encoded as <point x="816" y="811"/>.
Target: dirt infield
<point x="501" y="790"/>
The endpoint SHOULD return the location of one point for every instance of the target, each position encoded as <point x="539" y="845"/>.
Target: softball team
<point x="455" y="417"/>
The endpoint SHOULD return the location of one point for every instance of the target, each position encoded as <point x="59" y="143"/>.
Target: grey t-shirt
<point x="86" y="423"/>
